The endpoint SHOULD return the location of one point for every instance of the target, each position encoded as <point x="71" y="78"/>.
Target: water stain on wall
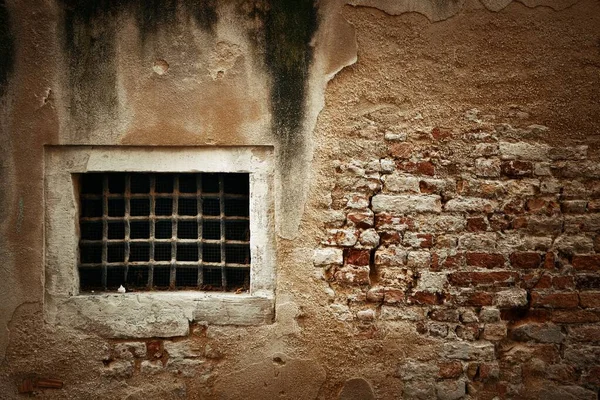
<point x="7" y="48"/>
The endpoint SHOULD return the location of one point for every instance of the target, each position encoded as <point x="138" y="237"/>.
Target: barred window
<point x="164" y="231"/>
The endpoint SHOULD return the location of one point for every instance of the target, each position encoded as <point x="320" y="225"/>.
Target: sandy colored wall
<point x="436" y="192"/>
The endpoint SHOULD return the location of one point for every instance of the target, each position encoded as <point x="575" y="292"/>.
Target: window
<point x="188" y="231"/>
<point x="164" y="231"/>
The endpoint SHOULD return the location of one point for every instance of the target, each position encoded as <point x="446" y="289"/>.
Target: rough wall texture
<point x="438" y="201"/>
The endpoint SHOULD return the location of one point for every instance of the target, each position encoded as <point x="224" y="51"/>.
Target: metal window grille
<point x="164" y="231"/>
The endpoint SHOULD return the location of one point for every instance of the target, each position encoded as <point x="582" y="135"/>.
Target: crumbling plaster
<point x="230" y="84"/>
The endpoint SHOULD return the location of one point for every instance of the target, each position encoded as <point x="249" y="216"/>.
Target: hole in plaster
<point x="160" y="67"/>
<point x="278" y="360"/>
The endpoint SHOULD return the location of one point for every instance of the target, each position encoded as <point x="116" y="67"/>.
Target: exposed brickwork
<point x="503" y="253"/>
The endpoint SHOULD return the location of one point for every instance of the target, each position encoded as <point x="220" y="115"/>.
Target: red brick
<point x="554" y="300"/>
<point x="426" y="239"/>
<point x="549" y="261"/>
<point x="519" y="223"/>
<point x="401" y="150"/>
<point x="589" y="299"/>
<point x="362" y="220"/>
<point x="358" y="257"/>
<point x="535" y="205"/>
<point x="476" y="299"/>
<point x="575" y="317"/>
<point x="481" y="278"/>
<point x="440" y="133"/>
<point x="452" y="369"/>
<point x="425" y="168"/>
<point x="513" y="207"/>
<point x="485" y="260"/>
<point x="524" y="315"/>
<point x="425" y="298"/>
<point x="533" y="280"/>
<point x="585" y="333"/>
<point x="477" y="224"/>
<point x="563" y="282"/>
<point x="393" y="296"/>
<point x="388" y="238"/>
<point x="525" y="259"/>
<point x="516" y="168"/>
<point x="446" y="261"/>
<point x="586" y="263"/>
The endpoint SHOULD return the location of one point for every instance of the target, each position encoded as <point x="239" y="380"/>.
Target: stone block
<point x="542" y="333"/>
<point x="468" y="350"/>
<point x="470" y="204"/>
<point x="328" y="256"/>
<point x="406" y="204"/>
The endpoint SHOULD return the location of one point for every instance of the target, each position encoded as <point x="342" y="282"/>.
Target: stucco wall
<point x="420" y="148"/>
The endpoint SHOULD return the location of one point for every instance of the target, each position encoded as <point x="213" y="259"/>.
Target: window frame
<point x="153" y="313"/>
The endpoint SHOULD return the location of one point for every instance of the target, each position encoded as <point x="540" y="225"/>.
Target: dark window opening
<point x="164" y="231"/>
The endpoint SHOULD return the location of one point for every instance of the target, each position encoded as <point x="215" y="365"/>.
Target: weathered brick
<point x="543" y="333"/>
<point x="574" y="244"/>
<point x="512" y="298"/>
<point x="523" y="259"/>
<point x="358" y="257"/>
<point x="482" y="278"/>
<point x="393" y="296"/>
<point x="470" y="204"/>
<point x="516" y="169"/>
<point x="574" y="316"/>
<point x="390" y="256"/>
<point x="563" y="282"/>
<point x="468" y="351"/>
<point x="445" y="260"/>
<point x="401" y="150"/>
<point x="494" y="332"/>
<point x="418" y="259"/>
<point x="554" y="300"/>
<point x="400" y="183"/>
<point x="589" y="299"/>
<point x="369" y="238"/>
<point x="424" y="298"/>
<point x="422" y="240"/>
<point x="363" y="219"/>
<point x="586" y="262"/>
<point x="468" y="331"/>
<point x="523" y="151"/>
<point x="587" y="281"/>
<point x="352" y="275"/>
<point x="445" y="315"/>
<point x="341" y="237"/>
<point x="406" y="203"/>
<point x="441" y="133"/>
<point x="573" y="206"/>
<point x="585" y="333"/>
<point x="450" y="389"/>
<point x="485" y="260"/>
<point x="486" y="167"/>
<point x="475" y="299"/>
<point x="451" y="369"/>
<point x="568" y="153"/>
<point x="477" y="224"/>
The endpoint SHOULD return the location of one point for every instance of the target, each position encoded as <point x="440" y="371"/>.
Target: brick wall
<point x="484" y="242"/>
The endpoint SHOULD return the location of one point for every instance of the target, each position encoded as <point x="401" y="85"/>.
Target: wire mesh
<point x="164" y="231"/>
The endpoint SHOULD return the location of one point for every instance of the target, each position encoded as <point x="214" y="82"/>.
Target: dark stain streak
<point x="289" y="26"/>
<point x="7" y="48"/>
<point x="90" y="32"/>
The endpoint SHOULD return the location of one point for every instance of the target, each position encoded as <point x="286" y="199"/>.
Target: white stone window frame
<point x="153" y="313"/>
